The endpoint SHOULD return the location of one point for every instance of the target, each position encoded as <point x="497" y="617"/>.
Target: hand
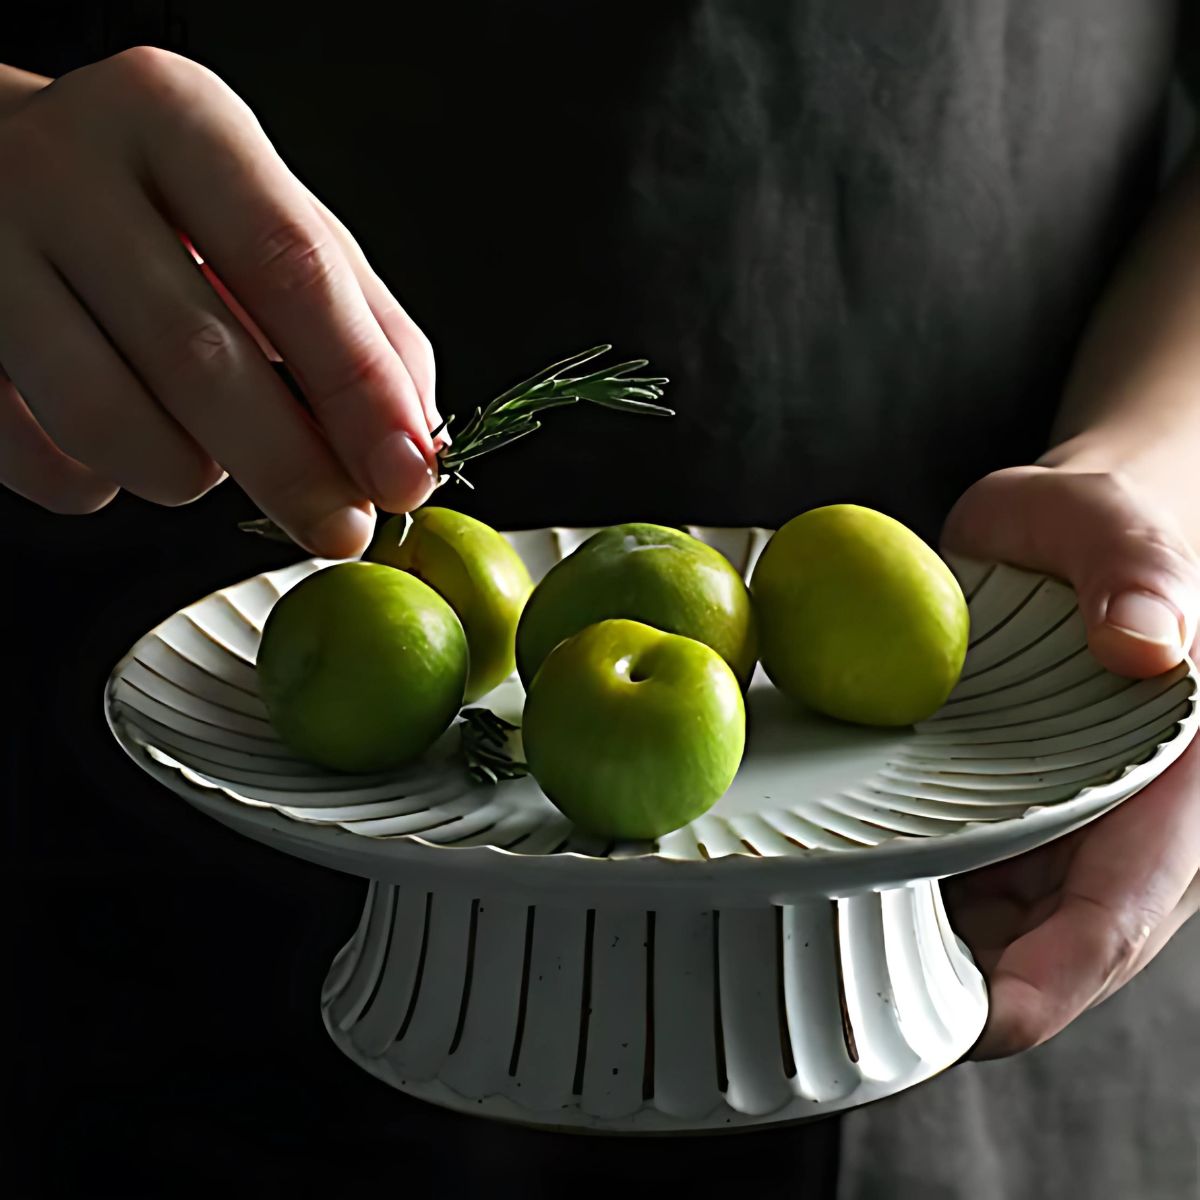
<point x="126" y="366"/>
<point x="1059" y="929"/>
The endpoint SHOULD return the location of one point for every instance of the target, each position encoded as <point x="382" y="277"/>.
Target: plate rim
<point x="903" y="858"/>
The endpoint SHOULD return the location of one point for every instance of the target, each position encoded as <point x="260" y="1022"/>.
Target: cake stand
<point x="784" y="956"/>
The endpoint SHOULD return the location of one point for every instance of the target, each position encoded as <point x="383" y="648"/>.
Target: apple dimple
<point x="630" y="670"/>
<point x="629" y="762"/>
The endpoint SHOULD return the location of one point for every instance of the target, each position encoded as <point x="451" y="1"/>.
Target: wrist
<point x="16" y="88"/>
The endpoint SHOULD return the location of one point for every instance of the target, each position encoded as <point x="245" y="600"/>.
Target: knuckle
<point x="362" y="371"/>
<point x="198" y="344"/>
<point x="294" y="258"/>
<point x="151" y="79"/>
<point x="1129" y="937"/>
<point x="1115" y="941"/>
<point x="150" y="67"/>
<point x="1122" y="951"/>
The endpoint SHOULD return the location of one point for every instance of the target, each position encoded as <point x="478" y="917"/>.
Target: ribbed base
<point x="654" y="1022"/>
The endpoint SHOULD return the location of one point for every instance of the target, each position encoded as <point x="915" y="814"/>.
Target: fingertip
<point x="344" y="533"/>
<point x="1016" y="1020"/>
<point x="1140" y="634"/>
<point x="1126" y="652"/>
<point x="400" y="473"/>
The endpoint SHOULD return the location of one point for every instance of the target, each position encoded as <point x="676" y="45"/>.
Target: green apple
<point x="859" y="618"/>
<point x="633" y="732"/>
<point x="475" y="570"/>
<point x="361" y="667"/>
<point x="649" y="573"/>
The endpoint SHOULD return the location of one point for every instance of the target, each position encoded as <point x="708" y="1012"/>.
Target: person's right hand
<point x="122" y="364"/>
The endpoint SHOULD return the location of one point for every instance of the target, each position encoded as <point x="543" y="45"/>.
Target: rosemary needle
<point x="513" y="414"/>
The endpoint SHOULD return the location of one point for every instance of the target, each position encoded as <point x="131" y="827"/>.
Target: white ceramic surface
<point x="783" y="956"/>
<point x="650" y="1022"/>
<point x="1035" y="740"/>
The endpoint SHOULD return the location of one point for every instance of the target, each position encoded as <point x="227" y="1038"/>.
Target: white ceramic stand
<point x="655" y="1022"/>
<point x="781" y="957"/>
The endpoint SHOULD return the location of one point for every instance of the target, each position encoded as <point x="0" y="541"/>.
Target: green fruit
<point x="475" y="570"/>
<point x="858" y="618"/>
<point x="647" y="573"/>
<point x="633" y="732"/>
<point x="361" y="667"/>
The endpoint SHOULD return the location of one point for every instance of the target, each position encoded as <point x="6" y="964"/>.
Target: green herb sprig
<point x="513" y="414"/>
<point x="485" y="746"/>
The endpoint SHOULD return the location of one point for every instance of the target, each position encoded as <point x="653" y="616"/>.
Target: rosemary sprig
<point x="512" y="414"/>
<point x="267" y="528"/>
<point x="485" y="746"/>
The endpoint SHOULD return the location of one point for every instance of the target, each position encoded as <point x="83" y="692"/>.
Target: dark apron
<point x="860" y="236"/>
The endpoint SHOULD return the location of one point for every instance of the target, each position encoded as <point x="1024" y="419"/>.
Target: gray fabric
<point x="1108" y="1109"/>
<point x="861" y="236"/>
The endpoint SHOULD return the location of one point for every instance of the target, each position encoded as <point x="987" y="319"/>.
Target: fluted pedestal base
<point x="628" y="1021"/>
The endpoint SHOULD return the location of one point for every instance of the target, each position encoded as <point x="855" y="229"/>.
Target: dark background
<point x="163" y="1035"/>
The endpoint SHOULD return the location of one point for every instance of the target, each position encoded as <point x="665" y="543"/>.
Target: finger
<point x="221" y="180"/>
<point x="199" y="363"/>
<point x="1136" y="578"/>
<point x="400" y="329"/>
<point x="88" y="402"/>
<point x="1024" y="879"/>
<point x="231" y="302"/>
<point x="34" y="467"/>
<point x="1163" y="933"/>
<point x="1127" y="876"/>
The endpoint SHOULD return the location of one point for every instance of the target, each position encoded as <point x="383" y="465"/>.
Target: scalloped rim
<point x="982" y="842"/>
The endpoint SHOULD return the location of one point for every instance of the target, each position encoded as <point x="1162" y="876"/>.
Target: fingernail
<point x="1144" y="616"/>
<point x="344" y="533"/>
<point x="400" y="473"/>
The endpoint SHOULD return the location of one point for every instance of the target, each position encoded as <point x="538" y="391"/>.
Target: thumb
<point x="1135" y="576"/>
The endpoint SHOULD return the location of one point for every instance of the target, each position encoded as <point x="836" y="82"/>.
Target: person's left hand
<point x="1059" y="929"/>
